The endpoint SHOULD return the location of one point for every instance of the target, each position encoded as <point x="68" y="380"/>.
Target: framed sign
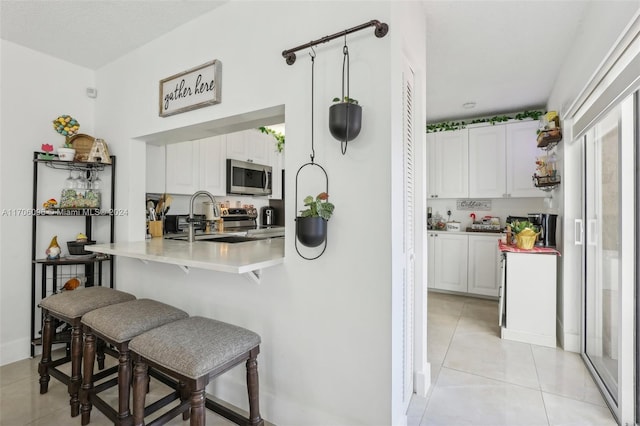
<point x="191" y="89"/>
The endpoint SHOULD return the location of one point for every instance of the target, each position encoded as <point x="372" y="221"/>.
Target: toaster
<point x="178" y="223"/>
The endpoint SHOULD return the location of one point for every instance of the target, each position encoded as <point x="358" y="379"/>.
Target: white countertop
<point x="478" y="233"/>
<point x="236" y="258"/>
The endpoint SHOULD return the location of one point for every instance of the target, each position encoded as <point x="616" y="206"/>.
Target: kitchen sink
<point x="230" y="239"/>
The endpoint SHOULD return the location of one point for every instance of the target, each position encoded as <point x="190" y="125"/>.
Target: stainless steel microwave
<point x="248" y="178"/>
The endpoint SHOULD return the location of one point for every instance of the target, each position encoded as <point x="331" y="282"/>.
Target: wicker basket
<point x="526" y="242"/>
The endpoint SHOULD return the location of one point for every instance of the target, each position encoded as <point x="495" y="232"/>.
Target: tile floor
<point x="21" y="403"/>
<point x="479" y="379"/>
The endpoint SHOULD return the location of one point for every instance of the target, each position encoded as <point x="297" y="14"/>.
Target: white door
<point x="409" y="242"/>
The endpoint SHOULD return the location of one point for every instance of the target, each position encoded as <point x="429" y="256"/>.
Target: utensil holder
<point x="155" y="228"/>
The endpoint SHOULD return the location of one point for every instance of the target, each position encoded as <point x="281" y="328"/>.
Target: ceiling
<point x="503" y="55"/>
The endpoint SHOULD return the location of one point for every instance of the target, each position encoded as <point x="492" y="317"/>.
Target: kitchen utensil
<point x="159" y="206"/>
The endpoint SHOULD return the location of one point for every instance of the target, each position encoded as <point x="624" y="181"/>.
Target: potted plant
<point x="526" y="234"/>
<point x="345" y="119"/>
<point x="67" y="126"/>
<point x="311" y="224"/>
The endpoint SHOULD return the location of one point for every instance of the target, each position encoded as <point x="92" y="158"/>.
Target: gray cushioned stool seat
<point x="122" y="322"/>
<point x="70" y="306"/>
<point x="194" y="346"/>
<point x="117" y="325"/>
<point x="194" y="351"/>
<point x="76" y="303"/>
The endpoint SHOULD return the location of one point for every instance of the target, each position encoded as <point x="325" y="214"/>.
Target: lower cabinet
<point x="463" y="263"/>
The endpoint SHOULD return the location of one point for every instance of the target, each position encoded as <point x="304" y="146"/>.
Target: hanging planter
<point x="345" y="119"/>
<point x="311" y="231"/>
<point x="311" y="225"/>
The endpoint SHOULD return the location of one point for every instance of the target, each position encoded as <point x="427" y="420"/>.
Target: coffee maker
<point x="547" y="224"/>
<point x="268" y="216"/>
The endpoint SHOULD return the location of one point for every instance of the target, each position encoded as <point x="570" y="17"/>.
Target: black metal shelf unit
<point x="53" y="273"/>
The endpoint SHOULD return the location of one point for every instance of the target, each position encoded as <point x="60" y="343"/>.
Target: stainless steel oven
<point x="248" y="178"/>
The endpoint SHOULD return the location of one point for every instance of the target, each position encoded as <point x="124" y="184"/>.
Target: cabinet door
<point x="183" y="167"/>
<point x="213" y="165"/>
<point x="449" y="164"/>
<point x="250" y="145"/>
<point x="484" y="275"/>
<point x="451" y="262"/>
<point x="522" y="151"/>
<point x="237" y="146"/>
<point x="259" y="146"/>
<point x="155" y="171"/>
<point x="431" y="260"/>
<point x="487" y="162"/>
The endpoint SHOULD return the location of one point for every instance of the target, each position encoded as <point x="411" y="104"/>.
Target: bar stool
<point x="117" y="325"/>
<point x="196" y="350"/>
<point x="70" y="306"/>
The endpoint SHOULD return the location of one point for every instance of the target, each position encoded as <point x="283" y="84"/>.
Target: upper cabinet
<point x="487" y="160"/>
<point x="449" y="164"/>
<point x="494" y="161"/>
<point x="250" y="145"/>
<point x="522" y="150"/>
<point x="197" y="165"/>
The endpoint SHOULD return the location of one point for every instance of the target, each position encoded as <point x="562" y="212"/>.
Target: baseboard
<point x="570" y="342"/>
<point x="422" y="381"/>
<point x="13" y="351"/>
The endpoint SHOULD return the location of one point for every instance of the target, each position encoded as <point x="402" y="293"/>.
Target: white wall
<point x="34" y="90"/>
<point x="602" y="25"/>
<point x="329" y="355"/>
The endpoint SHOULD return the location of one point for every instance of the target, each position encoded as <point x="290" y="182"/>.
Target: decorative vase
<point x="345" y="121"/>
<point x="66" y="154"/>
<point x="311" y="231"/>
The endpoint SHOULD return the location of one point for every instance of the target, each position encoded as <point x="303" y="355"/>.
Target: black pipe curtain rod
<point x="381" y="30"/>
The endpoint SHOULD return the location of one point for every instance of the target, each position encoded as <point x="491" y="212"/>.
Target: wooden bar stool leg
<point x="184" y="395"/>
<point x="197" y="408"/>
<point x="253" y="389"/>
<point x="140" y="380"/>
<point x="76" y="363"/>
<point x="45" y="360"/>
<point x="124" y="373"/>
<point x="100" y="353"/>
<point x="87" y="378"/>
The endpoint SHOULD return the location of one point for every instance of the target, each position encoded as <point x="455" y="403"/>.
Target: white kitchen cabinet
<point x="522" y="150"/>
<point x="155" y="172"/>
<point x="197" y="165"/>
<point x="530" y="292"/>
<point x="463" y="263"/>
<point x="450" y="253"/>
<point x="502" y="160"/>
<point x="431" y="260"/>
<point x="483" y="269"/>
<point x="251" y="146"/>
<point x="487" y="162"/>
<point x="448" y="164"/>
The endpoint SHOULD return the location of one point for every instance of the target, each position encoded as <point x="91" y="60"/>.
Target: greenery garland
<point x="457" y="125"/>
<point x="279" y="137"/>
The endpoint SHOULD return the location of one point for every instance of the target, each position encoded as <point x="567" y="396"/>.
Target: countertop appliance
<point x="177" y="223"/>
<point x="246" y="178"/>
<point x="239" y="220"/>
<point x="268" y="215"/>
<point x="547" y="224"/>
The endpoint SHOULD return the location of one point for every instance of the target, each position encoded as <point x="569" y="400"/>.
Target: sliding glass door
<point x="609" y="263"/>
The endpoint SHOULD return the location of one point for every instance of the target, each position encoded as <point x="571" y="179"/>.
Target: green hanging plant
<point x="457" y="125"/>
<point x="279" y="137"/>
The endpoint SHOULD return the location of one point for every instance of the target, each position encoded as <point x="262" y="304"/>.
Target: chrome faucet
<point x="191" y="221"/>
